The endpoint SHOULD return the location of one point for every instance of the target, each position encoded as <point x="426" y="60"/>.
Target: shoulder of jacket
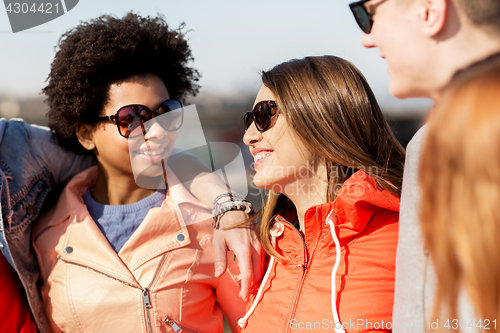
<point x="415" y="144"/>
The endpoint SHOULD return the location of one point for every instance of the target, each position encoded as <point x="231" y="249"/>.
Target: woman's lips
<point x="152" y="155"/>
<point x="261" y="156"/>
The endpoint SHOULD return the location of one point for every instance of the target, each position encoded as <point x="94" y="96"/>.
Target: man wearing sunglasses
<point x="425" y="42"/>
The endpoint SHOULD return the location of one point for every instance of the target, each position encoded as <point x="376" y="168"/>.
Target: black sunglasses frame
<point x="151" y="114"/>
<point x="362" y="15"/>
<point x="263" y="119"/>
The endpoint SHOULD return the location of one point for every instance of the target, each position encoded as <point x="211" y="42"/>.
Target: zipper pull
<point x="172" y="324"/>
<point x="304" y="267"/>
<point x="145" y="297"/>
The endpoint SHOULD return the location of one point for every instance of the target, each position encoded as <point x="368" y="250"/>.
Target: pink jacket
<point x="162" y="280"/>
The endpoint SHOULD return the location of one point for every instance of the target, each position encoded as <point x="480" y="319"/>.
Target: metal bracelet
<point x="231" y="195"/>
<point x="245" y="206"/>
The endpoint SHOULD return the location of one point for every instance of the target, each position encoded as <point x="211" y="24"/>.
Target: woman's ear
<point x="84" y="134"/>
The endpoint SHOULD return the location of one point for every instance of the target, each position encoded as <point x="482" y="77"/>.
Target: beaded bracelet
<point x="230" y="195"/>
<point x="217" y="204"/>
<point x="221" y="208"/>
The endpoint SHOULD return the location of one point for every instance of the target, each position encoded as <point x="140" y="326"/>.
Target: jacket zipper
<point x="147" y="306"/>
<point x="144" y="291"/>
<point x="306" y="258"/>
<point x="145" y="294"/>
<point x="176" y="327"/>
<point x="301" y="283"/>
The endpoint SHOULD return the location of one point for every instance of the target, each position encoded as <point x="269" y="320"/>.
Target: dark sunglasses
<point x="132" y="120"/>
<point x="362" y="15"/>
<point x="262" y="114"/>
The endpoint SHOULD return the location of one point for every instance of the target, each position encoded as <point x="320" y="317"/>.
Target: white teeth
<point x="261" y="155"/>
<point x="152" y="153"/>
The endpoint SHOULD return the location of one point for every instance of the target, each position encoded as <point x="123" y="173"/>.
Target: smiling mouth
<point x="152" y="154"/>
<point x="261" y="155"/>
<point x="155" y="152"/>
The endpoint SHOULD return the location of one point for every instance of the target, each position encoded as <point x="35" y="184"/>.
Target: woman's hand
<point x="246" y="247"/>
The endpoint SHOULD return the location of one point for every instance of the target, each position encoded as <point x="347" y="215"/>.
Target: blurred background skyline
<point x="232" y="42"/>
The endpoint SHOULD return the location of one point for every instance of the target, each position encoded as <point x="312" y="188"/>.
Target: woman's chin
<point x="151" y="177"/>
<point x="267" y="185"/>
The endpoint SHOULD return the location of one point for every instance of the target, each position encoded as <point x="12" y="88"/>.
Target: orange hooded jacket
<point x="298" y="292"/>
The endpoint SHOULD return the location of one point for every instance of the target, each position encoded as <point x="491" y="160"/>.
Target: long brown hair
<point x="331" y="108"/>
<point x="460" y="181"/>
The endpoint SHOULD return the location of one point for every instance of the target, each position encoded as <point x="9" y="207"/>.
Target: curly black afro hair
<point x="105" y="51"/>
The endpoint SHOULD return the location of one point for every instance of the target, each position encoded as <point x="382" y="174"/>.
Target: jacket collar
<point x="165" y="228"/>
<point x="357" y="202"/>
<point x="71" y="199"/>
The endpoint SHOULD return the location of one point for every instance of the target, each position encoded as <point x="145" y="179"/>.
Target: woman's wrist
<point x="230" y="201"/>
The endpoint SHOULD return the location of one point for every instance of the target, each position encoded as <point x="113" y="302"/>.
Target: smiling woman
<point x="115" y="256"/>
<point x="111" y="147"/>
<point x="332" y="170"/>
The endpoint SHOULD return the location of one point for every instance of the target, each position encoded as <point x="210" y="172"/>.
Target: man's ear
<point x="433" y="16"/>
<point x="84" y="133"/>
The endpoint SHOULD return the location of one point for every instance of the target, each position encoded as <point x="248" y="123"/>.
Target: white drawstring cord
<point x="243" y="321"/>
<point x="338" y="325"/>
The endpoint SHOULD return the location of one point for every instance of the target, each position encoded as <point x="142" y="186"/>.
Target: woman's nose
<point x="252" y="135"/>
<point x="154" y="130"/>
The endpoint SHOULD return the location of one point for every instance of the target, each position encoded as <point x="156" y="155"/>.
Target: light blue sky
<point x="231" y="41"/>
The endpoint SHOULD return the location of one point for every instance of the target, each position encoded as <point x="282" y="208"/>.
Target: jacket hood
<point x="357" y="202"/>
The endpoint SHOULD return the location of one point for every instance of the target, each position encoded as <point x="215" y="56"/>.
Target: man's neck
<point x="469" y="46"/>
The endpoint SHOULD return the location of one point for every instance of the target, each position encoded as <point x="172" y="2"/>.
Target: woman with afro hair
<point x="115" y="256"/>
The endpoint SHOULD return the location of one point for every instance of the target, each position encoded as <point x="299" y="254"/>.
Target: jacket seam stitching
<point x="70" y="300"/>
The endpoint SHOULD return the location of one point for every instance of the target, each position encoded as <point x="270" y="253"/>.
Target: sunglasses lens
<point x="247" y="118"/>
<point x="170" y="115"/>
<point x="362" y="18"/>
<point x="130" y="118"/>
<point x="262" y="116"/>
<point x="134" y="120"/>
